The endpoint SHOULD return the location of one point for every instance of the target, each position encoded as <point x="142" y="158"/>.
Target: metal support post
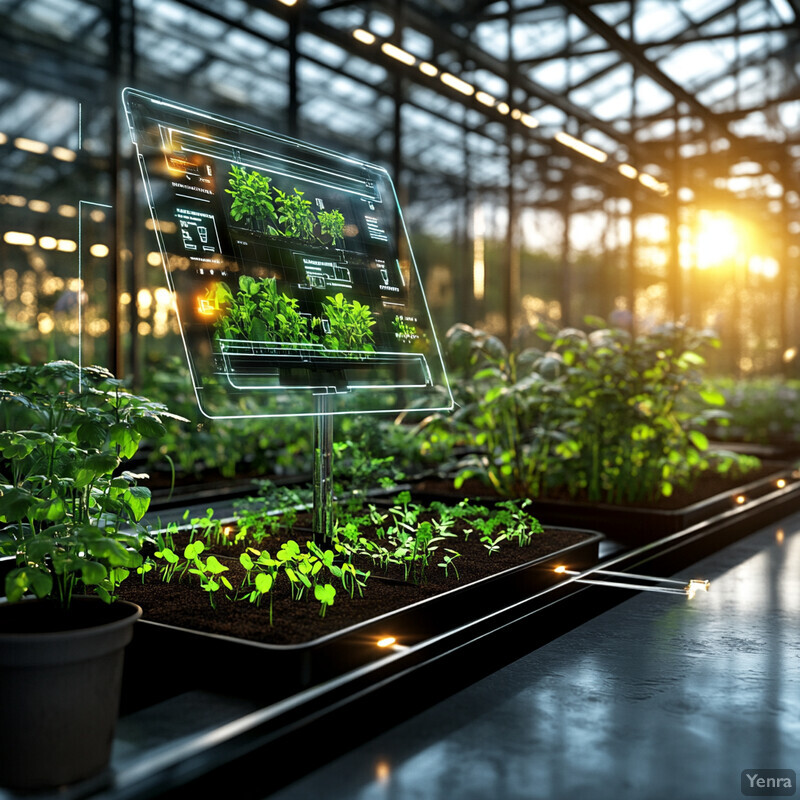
<point x="323" y="469"/>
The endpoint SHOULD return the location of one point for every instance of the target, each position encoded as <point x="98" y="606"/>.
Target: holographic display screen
<point x="290" y="267"/>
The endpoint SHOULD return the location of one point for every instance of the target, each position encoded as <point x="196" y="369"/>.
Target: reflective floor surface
<point x="660" y="697"/>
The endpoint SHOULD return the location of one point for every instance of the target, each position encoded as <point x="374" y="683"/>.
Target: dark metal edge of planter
<point x="303" y="665"/>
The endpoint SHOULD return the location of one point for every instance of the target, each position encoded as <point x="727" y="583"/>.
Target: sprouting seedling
<point x="211" y="576"/>
<point x="192" y="553"/>
<point x="168" y="570"/>
<point x="144" y="568"/>
<point x="325" y="594"/>
<point x="492" y="545"/>
<point x="263" y="585"/>
<point x="447" y="562"/>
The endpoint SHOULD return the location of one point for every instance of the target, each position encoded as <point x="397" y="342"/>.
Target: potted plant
<point x="70" y="525"/>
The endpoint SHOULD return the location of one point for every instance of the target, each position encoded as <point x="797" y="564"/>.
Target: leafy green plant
<point x="295" y="214"/>
<point x="67" y="517"/>
<point x="258" y="313"/>
<point x="351" y="324"/>
<point x="603" y="415"/>
<point x="331" y="224"/>
<point x="252" y="199"/>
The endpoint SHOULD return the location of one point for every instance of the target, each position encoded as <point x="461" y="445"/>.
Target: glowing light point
<point x="16" y="237"/>
<point x="207" y="310"/>
<point x="695" y="585"/>
<point x="63" y="153"/>
<point x="398" y="54"/>
<point x="503" y="108"/>
<point x="30" y="145"/>
<point x="485" y="98"/>
<point x="428" y="69"/>
<point x="579" y="146"/>
<point x="529" y="121"/>
<point x="562" y="569"/>
<point x="387" y="641"/>
<point x="99" y="250"/>
<point x="48" y="242"/>
<point x="365" y="37"/>
<point x="628" y="171"/>
<point x="740" y="499"/>
<point x="456" y="83"/>
<point x="780" y="483"/>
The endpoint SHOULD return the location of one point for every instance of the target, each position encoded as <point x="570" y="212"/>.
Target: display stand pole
<point x="323" y="469"/>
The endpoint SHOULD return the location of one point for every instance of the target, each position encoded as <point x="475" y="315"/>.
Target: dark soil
<point x="708" y="486"/>
<point x="183" y="603"/>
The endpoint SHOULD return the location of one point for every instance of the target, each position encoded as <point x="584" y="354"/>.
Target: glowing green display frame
<point x="293" y="278"/>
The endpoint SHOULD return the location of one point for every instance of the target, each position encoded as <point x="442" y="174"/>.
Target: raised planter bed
<point x="633" y="525"/>
<point x="180" y="629"/>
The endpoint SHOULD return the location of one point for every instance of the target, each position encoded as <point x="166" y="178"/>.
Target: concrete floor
<point x="660" y="697"/>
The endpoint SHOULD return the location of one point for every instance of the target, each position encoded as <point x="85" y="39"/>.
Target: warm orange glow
<point x="561" y="569"/>
<point x="779" y="536"/>
<point x="64" y="153"/>
<point x="529" y="121"/>
<point x="503" y="108"/>
<point x="628" y="171"/>
<point x="780" y="483"/>
<point x="456" y="83"/>
<point x="387" y="641"/>
<point x="740" y="499"/>
<point x="48" y="242"/>
<point x="99" y="250"/>
<point x="16" y="237"/>
<point x="398" y="54"/>
<point x="67" y="245"/>
<point x="30" y="145"/>
<point x="579" y="146"/>
<point x="428" y="69"/>
<point x="365" y="37"/>
<point x="205" y="309"/>
<point x="718" y="239"/>
<point x="485" y="98"/>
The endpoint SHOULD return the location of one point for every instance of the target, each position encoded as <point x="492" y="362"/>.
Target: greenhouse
<point x="416" y="379"/>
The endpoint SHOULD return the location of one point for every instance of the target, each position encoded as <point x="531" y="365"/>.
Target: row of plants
<point x="602" y="416"/>
<point x="257" y="312"/>
<point x="763" y="410"/>
<point x="404" y="540"/>
<point x="269" y="210"/>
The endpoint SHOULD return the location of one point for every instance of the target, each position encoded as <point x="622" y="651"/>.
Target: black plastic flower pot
<point x="60" y="682"/>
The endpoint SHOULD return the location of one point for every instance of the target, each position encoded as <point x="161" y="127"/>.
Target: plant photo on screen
<point x="267" y="209"/>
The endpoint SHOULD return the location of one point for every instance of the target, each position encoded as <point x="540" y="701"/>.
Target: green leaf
<point x="713" y="397"/>
<point x="699" y="440"/>
<point x="137" y="499"/>
<point x="214" y="567"/>
<point x="149" y="425"/>
<point x="101" y="463"/>
<point x="92" y="572"/>
<point x="126" y="438"/>
<point x="23" y="579"/>
<point x="263" y="582"/>
<point x="14" y="504"/>
<point x="50" y="510"/>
